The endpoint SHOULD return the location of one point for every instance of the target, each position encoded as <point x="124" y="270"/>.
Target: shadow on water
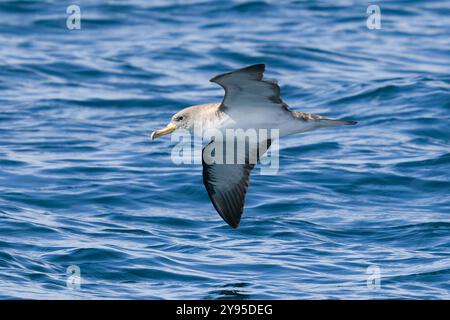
<point x="230" y="291"/>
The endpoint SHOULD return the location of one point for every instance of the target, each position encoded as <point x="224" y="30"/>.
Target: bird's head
<point x="180" y="120"/>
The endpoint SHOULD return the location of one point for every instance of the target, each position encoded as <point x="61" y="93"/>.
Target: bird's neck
<point x="209" y="116"/>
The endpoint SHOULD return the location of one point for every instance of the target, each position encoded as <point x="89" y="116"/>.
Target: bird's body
<point x="210" y="116"/>
<point x="250" y="103"/>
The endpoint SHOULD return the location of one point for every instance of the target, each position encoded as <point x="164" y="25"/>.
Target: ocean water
<point x="82" y="186"/>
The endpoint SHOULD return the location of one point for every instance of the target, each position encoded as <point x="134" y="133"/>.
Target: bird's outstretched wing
<point x="245" y="90"/>
<point x="227" y="184"/>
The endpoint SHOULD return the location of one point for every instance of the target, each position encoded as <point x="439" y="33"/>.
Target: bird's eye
<point x="180" y="118"/>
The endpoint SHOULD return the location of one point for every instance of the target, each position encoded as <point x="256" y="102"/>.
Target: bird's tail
<point x="321" y="121"/>
<point x="327" y="122"/>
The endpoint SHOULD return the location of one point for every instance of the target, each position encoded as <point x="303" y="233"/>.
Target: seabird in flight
<point x="250" y="102"/>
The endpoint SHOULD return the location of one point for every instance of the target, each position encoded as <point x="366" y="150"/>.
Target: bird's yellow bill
<point x="158" y="133"/>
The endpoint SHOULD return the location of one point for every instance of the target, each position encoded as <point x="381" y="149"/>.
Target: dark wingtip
<point x="259" y="67"/>
<point x="350" y="123"/>
<point x="234" y="225"/>
<point x="232" y="220"/>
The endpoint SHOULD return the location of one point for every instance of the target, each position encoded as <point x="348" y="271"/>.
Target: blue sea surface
<point x="81" y="183"/>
